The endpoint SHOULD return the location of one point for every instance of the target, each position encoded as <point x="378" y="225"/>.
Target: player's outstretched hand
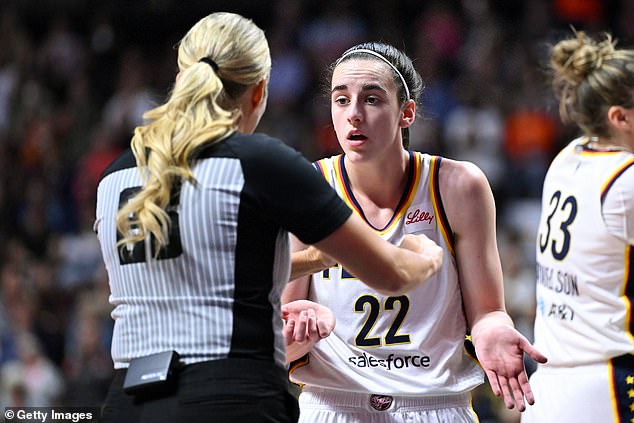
<point x="500" y="350"/>
<point x="305" y="323"/>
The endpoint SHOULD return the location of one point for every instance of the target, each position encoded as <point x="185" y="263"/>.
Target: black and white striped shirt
<point x="214" y="291"/>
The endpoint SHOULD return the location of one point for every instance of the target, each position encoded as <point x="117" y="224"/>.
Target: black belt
<point x="224" y="375"/>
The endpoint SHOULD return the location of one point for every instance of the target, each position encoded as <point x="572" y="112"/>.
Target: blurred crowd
<point x="76" y="77"/>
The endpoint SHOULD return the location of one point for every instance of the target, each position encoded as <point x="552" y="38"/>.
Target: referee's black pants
<point x="230" y="390"/>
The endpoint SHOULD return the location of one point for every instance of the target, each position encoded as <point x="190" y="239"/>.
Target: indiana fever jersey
<point x="585" y="282"/>
<point x="410" y="344"/>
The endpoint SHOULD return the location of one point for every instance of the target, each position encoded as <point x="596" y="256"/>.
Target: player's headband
<point x="375" y="54"/>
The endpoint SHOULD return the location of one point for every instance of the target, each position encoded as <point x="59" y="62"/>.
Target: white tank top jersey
<point x="585" y="282"/>
<point x="411" y="344"/>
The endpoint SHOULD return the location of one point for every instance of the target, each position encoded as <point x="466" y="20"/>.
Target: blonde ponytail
<point x="200" y="111"/>
<point x="589" y="76"/>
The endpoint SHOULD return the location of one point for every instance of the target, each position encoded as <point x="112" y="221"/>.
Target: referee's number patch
<point x="137" y="253"/>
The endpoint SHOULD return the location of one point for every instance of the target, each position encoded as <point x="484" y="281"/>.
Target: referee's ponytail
<point x="218" y="59"/>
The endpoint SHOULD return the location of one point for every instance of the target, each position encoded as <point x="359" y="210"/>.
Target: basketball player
<point x="585" y="254"/>
<point x="398" y="358"/>
<point x="193" y="223"/>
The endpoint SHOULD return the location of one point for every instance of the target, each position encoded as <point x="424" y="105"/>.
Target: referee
<point x="193" y="223"/>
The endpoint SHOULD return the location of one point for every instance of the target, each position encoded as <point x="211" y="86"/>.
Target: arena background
<point x="76" y="76"/>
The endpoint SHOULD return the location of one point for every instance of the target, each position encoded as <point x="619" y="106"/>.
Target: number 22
<point x="392" y="337"/>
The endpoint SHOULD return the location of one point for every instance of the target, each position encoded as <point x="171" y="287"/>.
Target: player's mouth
<point x="356" y="138"/>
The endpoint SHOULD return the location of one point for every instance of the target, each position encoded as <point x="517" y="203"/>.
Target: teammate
<point x="584" y="247"/>
<point x="397" y="358"/>
<point x="193" y="223"/>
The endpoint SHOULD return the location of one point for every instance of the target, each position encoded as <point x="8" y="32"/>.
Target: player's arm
<point x="305" y="322"/>
<point x="500" y="348"/>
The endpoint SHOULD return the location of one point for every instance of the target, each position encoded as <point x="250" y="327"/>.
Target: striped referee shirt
<point x="214" y="291"/>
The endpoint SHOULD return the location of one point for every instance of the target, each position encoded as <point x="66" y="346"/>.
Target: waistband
<point x="227" y="370"/>
<point x="318" y="398"/>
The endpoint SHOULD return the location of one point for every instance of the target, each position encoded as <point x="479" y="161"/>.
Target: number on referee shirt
<point x="137" y="253"/>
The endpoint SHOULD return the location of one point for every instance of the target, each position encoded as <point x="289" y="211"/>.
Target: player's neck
<point x="380" y="181"/>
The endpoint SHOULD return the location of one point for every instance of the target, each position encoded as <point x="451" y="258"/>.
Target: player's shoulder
<point x="465" y="192"/>
<point x="461" y="175"/>
<point x="329" y="159"/>
<point x="326" y="165"/>
<point x="620" y="178"/>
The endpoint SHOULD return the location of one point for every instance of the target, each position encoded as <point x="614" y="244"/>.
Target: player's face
<point x="365" y="109"/>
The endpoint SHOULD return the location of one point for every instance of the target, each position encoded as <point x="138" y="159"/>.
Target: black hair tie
<point x="210" y="62"/>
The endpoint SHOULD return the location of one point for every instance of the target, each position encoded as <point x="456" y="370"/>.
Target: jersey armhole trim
<point x="615" y="175"/>
<point x="628" y="289"/>
<point x="296" y="364"/>
<point x="319" y="165"/>
<point x="434" y="188"/>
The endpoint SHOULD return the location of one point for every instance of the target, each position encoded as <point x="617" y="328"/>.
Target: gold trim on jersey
<point x="434" y="194"/>
<point x="599" y="149"/>
<point x="620" y="382"/>
<point x="613" y="394"/>
<point x="627" y="291"/>
<point x="324" y="172"/>
<point x="296" y="364"/>
<point x="614" y="176"/>
<point x="348" y="196"/>
<point x="588" y="152"/>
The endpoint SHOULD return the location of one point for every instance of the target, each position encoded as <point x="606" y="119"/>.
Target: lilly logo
<point x="419" y="216"/>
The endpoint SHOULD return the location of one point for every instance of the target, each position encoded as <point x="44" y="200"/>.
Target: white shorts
<point x="583" y="394"/>
<point x="328" y="406"/>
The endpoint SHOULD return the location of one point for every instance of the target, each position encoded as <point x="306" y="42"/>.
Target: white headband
<point x="374" y="53"/>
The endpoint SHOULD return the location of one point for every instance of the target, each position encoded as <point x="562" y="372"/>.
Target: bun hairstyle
<point x="218" y="59"/>
<point x="406" y="78"/>
<point x="589" y="76"/>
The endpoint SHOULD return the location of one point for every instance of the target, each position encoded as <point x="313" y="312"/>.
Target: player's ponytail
<point x="589" y="76"/>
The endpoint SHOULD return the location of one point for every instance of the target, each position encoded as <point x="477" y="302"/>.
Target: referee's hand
<point x="420" y="244"/>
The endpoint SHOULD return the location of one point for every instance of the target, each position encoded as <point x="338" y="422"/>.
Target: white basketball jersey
<point x="585" y="282"/>
<point x="411" y="344"/>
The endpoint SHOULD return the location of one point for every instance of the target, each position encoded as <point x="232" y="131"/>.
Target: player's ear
<point x="620" y="117"/>
<point x="408" y="113"/>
